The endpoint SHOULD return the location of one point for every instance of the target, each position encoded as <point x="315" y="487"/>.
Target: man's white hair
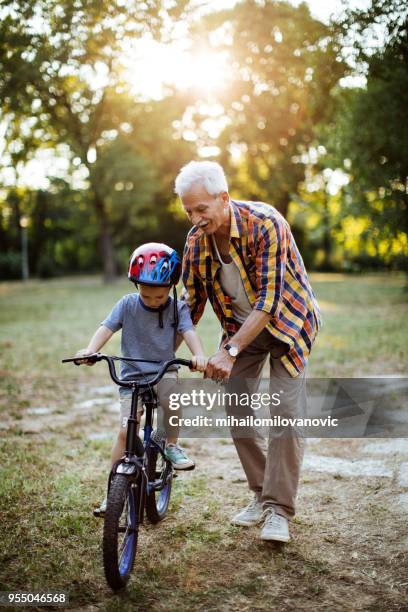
<point x="206" y="173"/>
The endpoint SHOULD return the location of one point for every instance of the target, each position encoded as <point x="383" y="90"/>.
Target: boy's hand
<point x="199" y="363"/>
<point x="84" y="353"/>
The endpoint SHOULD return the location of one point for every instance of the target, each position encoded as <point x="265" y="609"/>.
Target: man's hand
<point x="199" y="363"/>
<point x="219" y="366"/>
<point x="84" y="353"/>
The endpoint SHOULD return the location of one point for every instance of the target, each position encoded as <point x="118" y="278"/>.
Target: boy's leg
<point x="119" y="446"/>
<point x="174" y="453"/>
<point x="165" y="387"/>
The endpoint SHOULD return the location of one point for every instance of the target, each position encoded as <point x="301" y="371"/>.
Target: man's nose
<point x="195" y="218"/>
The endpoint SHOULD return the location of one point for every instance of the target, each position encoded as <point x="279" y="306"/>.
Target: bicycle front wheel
<point x="160" y="476"/>
<point x="120" y="532"/>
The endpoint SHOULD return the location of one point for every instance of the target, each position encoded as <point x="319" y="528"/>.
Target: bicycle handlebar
<point x="126" y="383"/>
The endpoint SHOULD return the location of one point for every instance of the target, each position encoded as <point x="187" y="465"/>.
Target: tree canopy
<point x="284" y="126"/>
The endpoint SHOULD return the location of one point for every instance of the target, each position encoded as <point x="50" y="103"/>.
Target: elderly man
<point x="242" y="257"/>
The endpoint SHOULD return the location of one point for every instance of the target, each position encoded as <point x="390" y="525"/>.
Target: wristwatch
<point x="232" y="350"/>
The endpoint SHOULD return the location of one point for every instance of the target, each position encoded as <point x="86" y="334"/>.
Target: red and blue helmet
<point x="155" y="264"/>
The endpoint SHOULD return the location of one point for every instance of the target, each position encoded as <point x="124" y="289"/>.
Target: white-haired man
<point x="242" y="257"/>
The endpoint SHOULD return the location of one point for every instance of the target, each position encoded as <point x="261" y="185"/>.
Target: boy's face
<point x="154" y="297"/>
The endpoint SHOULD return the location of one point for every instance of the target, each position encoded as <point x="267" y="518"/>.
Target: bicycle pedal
<point x="158" y="436"/>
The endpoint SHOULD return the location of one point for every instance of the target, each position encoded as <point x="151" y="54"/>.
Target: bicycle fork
<point x="131" y="464"/>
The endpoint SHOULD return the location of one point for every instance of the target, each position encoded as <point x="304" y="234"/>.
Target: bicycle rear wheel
<point x="160" y="477"/>
<point x="120" y="532"/>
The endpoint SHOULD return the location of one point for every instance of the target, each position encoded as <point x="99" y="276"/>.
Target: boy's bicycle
<point x="141" y="480"/>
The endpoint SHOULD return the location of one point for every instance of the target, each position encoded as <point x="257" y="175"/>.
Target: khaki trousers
<point x="272" y="467"/>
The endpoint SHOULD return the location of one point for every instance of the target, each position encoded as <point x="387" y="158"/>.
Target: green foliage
<point x="62" y="88"/>
<point x="370" y="142"/>
<point x="285" y="65"/>
<point x="374" y="137"/>
<point x="61" y="78"/>
<point x="10" y="265"/>
<point x="61" y="234"/>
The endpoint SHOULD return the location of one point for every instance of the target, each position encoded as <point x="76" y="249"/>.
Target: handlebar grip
<point x="93" y="358"/>
<point x="185" y="362"/>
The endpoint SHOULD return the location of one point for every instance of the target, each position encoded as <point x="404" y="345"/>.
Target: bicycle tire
<point x="118" y="558"/>
<point x="157" y="502"/>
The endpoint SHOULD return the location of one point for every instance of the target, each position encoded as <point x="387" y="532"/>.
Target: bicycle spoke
<point x="124" y="528"/>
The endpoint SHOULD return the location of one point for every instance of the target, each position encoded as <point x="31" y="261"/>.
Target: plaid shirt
<point x="272" y="272"/>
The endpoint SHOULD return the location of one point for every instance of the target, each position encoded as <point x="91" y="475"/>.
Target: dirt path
<point x="349" y="539"/>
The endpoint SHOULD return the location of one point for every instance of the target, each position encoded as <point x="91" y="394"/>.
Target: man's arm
<point x="195" y="293"/>
<point x="251" y="328"/>
<point x="220" y="365"/>
<point x="271" y="258"/>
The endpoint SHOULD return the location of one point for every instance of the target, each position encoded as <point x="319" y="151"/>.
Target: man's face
<point x="206" y="211"/>
<point x="153" y="297"/>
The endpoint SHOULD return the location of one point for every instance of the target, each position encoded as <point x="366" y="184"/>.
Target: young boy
<point x="150" y="321"/>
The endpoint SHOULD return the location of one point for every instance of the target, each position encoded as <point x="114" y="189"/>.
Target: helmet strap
<point x="175" y="315"/>
<point x="160" y="316"/>
<point x="175" y="310"/>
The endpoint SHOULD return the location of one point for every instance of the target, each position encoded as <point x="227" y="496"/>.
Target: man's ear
<point x="225" y="198"/>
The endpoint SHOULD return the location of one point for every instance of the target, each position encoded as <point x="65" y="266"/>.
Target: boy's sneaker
<point x="275" y="527"/>
<point x="100" y="512"/>
<point x="178" y="458"/>
<point x="251" y="515"/>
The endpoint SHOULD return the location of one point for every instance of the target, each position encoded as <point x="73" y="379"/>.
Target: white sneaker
<point x="276" y="527"/>
<point x="251" y="515"/>
<point x="100" y="512"/>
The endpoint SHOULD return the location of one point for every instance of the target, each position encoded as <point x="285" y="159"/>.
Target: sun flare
<point x="205" y="71"/>
<point x="151" y="67"/>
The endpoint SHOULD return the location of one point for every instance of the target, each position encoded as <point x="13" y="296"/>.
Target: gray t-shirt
<point x="142" y="336"/>
<point x="232" y="284"/>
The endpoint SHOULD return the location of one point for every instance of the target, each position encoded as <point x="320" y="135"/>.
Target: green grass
<point x="41" y="322"/>
<point x="50" y="479"/>
<point x="365" y="331"/>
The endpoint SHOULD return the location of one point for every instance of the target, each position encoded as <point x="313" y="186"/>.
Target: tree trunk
<point x="326" y="233"/>
<point x="105" y="242"/>
<point x="283" y="204"/>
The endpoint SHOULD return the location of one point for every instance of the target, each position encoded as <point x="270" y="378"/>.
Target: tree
<point x="371" y="139"/>
<point x="61" y="82"/>
<point x="283" y="69"/>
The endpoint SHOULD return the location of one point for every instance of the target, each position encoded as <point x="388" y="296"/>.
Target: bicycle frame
<point x="133" y="463"/>
<point x="130" y="493"/>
